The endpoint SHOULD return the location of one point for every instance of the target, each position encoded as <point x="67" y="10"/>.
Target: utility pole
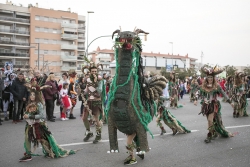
<point x="202" y="55"/>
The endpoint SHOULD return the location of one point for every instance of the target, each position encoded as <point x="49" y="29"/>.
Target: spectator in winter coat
<point x="50" y="95"/>
<point x="20" y="94"/>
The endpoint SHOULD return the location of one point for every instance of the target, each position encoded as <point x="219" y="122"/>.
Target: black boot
<point x="174" y="131"/>
<point x="163" y="130"/>
<point x="71" y="116"/>
<point x="0" y="122"/>
<point x="208" y="139"/>
<point x="89" y="135"/>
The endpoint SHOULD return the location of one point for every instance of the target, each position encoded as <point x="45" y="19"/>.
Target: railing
<point x="15" y="19"/>
<point x="14" y="43"/>
<point x="81" y="48"/>
<point x="69" y="25"/>
<point x="68" y="58"/>
<point x="69" y="36"/>
<point x="68" y="46"/>
<point x="14" y="31"/>
<point x="81" y="37"/>
<point x="14" y="54"/>
<point x="67" y="68"/>
<point x="21" y="66"/>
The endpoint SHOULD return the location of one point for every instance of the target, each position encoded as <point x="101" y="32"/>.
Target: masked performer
<point x="168" y="118"/>
<point x="94" y="101"/>
<point x="173" y="90"/>
<point x="211" y="105"/>
<point x="194" y="89"/>
<point x="36" y="130"/>
<point x="239" y="95"/>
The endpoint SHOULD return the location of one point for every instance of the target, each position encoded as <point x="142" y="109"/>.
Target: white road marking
<point x="240" y="126"/>
<point x="104" y="141"/>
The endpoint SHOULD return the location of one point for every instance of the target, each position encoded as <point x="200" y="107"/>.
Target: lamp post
<point x="172" y="51"/>
<point x="38" y="53"/>
<point x="88" y="32"/>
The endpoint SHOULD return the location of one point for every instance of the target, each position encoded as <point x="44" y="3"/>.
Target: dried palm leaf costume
<point x="194" y="89"/>
<point x="36" y="129"/>
<point x="239" y="95"/>
<point x="173" y="88"/>
<point x="211" y="106"/>
<point x="229" y="86"/>
<point x="168" y="118"/>
<point x="93" y="98"/>
<point x="131" y="98"/>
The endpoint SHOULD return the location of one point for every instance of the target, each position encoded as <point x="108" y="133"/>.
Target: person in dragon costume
<point x="36" y="129"/>
<point x="131" y="98"/>
<point x="210" y="105"/>
<point x="194" y="89"/>
<point x="93" y="98"/>
<point x="239" y="97"/>
<point x="168" y="118"/>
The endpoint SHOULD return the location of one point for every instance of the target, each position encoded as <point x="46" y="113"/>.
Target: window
<point x="54" y="20"/>
<point x="50" y="30"/>
<point x="58" y="31"/>
<point x="46" y="30"/>
<point x="36" y="51"/>
<point x="45" y="41"/>
<point x="53" y="41"/>
<point x="45" y="52"/>
<point x="36" y="17"/>
<point x="41" y="18"/>
<point x="50" y="19"/>
<point x="59" y="42"/>
<point x="53" y="52"/>
<point x="55" y="31"/>
<point x="46" y="18"/>
<point x="58" y="20"/>
<point x="37" y="40"/>
<point x="58" y="52"/>
<point x="37" y="29"/>
<point x="41" y="40"/>
<point x="41" y="29"/>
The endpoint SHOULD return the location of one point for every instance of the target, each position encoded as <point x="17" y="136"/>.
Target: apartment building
<point x="33" y="36"/>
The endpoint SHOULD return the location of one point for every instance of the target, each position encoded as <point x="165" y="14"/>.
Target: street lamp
<point x="37" y="53"/>
<point x="88" y="31"/>
<point x="172" y="51"/>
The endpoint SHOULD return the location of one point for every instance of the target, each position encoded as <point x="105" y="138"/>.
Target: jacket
<point x="19" y="90"/>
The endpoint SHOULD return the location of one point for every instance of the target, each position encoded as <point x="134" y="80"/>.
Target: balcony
<point x="9" y="54"/>
<point x="67" y="68"/>
<point x="81" y="36"/>
<point x="81" y="48"/>
<point x="68" y="47"/>
<point x="14" y="19"/>
<point x="15" y="31"/>
<point x="80" y="58"/>
<point x="68" y="58"/>
<point x="81" y="40"/>
<point x="9" y="42"/>
<point x="69" y="36"/>
<point x="69" y="25"/>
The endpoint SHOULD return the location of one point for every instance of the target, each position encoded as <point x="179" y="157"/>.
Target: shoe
<point x="132" y="161"/>
<point x="214" y="136"/>
<point x="54" y="116"/>
<point x="208" y="140"/>
<point x="174" y="131"/>
<point x="25" y="158"/>
<point x="97" y="138"/>
<point x="52" y="120"/>
<point x="63" y="119"/>
<point x="89" y="135"/>
<point x="0" y="122"/>
<point x="163" y="131"/>
<point x="71" y="116"/>
<point x="128" y="158"/>
<point x="6" y="119"/>
<point x="19" y="120"/>
<point x="66" y="119"/>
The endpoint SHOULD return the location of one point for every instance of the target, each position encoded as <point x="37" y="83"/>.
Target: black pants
<point x="18" y="106"/>
<point x="50" y="105"/>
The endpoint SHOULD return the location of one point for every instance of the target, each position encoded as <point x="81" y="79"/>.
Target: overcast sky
<point x="218" y="28"/>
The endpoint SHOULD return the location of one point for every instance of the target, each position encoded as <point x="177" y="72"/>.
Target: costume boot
<point x="71" y="116"/>
<point x="130" y="160"/>
<point x="138" y="153"/>
<point x="174" y="131"/>
<point x="209" y="137"/>
<point x="162" y="130"/>
<point x="98" y="134"/>
<point x="88" y="135"/>
<point x="234" y="114"/>
<point x="215" y="134"/>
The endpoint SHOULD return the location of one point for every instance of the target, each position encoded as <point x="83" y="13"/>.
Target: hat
<point x="211" y="70"/>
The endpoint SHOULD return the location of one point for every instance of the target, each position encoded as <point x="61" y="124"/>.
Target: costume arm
<point x="40" y="114"/>
<point x="224" y="94"/>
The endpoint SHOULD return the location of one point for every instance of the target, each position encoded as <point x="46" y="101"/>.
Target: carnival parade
<point x="114" y="107"/>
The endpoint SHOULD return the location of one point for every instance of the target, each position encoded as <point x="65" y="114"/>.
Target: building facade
<point x="151" y="61"/>
<point x="33" y="36"/>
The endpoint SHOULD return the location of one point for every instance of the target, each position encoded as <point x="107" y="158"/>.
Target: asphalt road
<point x="182" y="150"/>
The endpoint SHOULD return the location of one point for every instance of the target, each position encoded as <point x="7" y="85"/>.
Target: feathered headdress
<point x="211" y="71"/>
<point x="72" y="73"/>
<point x="91" y="65"/>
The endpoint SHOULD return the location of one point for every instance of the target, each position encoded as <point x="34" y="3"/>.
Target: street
<point x="181" y="150"/>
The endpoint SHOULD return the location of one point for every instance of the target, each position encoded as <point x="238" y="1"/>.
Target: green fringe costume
<point x="38" y="132"/>
<point x="169" y="119"/>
